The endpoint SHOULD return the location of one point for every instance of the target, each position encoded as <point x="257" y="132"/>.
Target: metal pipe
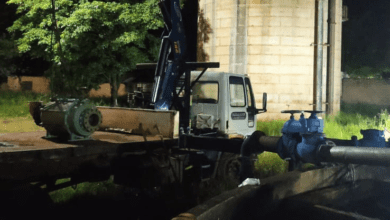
<point x="339" y="142"/>
<point x="270" y="143"/>
<point x="331" y="56"/>
<point x="320" y="28"/>
<point x="354" y="155"/>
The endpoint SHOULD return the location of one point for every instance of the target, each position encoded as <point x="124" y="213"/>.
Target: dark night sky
<point x="359" y="7"/>
<point x="366" y="34"/>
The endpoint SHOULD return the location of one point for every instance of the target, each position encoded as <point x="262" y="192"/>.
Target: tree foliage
<point x="11" y="61"/>
<point x="7" y="52"/>
<point x="90" y="42"/>
<point x="204" y="30"/>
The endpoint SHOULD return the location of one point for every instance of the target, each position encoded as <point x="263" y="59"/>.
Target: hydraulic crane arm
<point x="172" y="55"/>
<point x="176" y="60"/>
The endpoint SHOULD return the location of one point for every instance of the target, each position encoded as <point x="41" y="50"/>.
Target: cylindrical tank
<point x="70" y="118"/>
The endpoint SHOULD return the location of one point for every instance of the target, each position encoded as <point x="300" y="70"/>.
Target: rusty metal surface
<point x="138" y="121"/>
<point x="28" y="156"/>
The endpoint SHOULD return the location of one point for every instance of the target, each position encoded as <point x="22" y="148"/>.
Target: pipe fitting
<point x="307" y="149"/>
<point x="250" y="146"/>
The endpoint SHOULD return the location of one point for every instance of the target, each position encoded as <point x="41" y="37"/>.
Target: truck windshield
<point x="205" y="92"/>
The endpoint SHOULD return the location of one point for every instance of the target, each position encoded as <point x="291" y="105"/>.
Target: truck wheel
<point x="229" y="168"/>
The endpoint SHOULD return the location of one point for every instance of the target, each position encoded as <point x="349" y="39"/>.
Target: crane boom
<point x="171" y="56"/>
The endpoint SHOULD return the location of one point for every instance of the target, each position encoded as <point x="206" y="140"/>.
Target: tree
<point x="7" y="49"/>
<point x="90" y="42"/>
<point x="11" y="61"/>
<point x="204" y="30"/>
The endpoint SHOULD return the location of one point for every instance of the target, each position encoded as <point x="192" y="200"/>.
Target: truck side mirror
<point x="264" y="109"/>
<point x="264" y="101"/>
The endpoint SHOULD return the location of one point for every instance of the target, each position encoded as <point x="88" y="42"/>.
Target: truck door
<point x="238" y="116"/>
<point x="251" y="104"/>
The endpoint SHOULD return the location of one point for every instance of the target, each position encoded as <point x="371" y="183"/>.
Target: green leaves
<point x="93" y="39"/>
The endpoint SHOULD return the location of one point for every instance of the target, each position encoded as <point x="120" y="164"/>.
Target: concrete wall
<point x="272" y="42"/>
<point x="42" y="85"/>
<point x="105" y="91"/>
<point x="39" y="84"/>
<point x="367" y="91"/>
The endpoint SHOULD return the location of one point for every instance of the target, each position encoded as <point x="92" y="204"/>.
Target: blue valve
<point x="290" y="137"/>
<point x="301" y="139"/>
<point x="314" y="124"/>
<point x="292" y="125"/>
<point x="372" y="138"/>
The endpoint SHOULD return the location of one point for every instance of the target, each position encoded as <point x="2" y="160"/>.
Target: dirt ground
<point x="23" y="124"/>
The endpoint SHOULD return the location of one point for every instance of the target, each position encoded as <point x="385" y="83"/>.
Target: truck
<point x="143" y="148"/>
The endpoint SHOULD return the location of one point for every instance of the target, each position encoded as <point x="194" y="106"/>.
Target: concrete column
<point x="238" y="40"/>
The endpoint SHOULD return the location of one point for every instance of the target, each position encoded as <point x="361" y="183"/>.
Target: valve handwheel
<point x="292" y="111"/>
<point x="315" y="111"/>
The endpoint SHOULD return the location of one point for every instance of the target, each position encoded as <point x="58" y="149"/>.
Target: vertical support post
<point x="331" y="57"/>
<point x="320" y="28"/>
<point x="184" y="120"/>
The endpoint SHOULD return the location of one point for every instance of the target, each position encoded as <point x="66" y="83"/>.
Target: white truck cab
<point x="223" y="103"/>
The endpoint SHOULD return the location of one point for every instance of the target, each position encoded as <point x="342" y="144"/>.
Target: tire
<point x="229" y="168"/>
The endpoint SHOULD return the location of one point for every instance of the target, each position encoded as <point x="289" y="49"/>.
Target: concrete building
<point x="275" y="43"/>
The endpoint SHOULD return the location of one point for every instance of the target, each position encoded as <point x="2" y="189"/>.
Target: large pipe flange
<point x="92" y="119"/>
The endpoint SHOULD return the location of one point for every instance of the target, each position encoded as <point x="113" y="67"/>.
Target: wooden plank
<point x="138" y="121"/>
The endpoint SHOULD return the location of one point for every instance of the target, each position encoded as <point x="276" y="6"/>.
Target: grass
<point x="82" y="190"/>
<point x="14" y="117"/>
<point x="271" y="128"/>
<point x="349" y="121"/>
<point x="15" y="104"/>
